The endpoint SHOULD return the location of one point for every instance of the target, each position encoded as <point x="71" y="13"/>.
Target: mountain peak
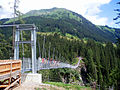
<point x="43" y="11"/>
<point x="70" y="23"/>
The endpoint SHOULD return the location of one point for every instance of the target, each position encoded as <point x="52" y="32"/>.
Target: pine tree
<point x="91" y="65"/>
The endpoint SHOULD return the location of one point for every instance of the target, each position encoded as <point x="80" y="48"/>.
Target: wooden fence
<point x="10" y="73"/>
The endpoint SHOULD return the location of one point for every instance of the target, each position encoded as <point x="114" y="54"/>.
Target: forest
<point x="71" y="35"/>
<point x="101" y="59"/>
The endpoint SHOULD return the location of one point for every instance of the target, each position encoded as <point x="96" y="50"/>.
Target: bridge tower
<point x="24" y="27"/>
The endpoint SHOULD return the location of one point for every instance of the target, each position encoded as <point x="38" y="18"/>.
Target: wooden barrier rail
<point x="10" y="73"/>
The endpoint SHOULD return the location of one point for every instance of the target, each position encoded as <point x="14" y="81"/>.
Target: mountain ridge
<point x="66" y="21"/>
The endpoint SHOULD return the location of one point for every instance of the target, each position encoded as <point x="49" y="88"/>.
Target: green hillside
<point x="71" y="35"/>
<point x="67" y="22"/>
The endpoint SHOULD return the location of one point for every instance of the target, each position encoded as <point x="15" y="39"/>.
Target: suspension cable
<point x="43" y="48"/>
<point x="49" y="50"/>
<point x="39" y="49"/>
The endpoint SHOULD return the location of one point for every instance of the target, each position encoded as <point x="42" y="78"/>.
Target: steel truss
<point x="24" y="27"/>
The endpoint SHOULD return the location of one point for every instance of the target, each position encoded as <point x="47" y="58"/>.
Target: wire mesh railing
<point x="42" y="63"/>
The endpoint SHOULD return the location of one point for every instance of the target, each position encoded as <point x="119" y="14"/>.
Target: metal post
<point x="33" y="45"/>
<point x="20" y="27"/>
<point x="35" y="35"/>
<point x="29" y="63"/>
<point x="16" y="47"/>
<point x="18" y="44"/>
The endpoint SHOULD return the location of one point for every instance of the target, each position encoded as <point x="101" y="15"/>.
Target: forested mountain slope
<point x="67" y="22"/>
<point x="102" y="60"/>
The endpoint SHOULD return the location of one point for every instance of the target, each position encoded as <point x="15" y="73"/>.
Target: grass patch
<point x="75" y="61"/>
<point x="69" y="86"/>
<point x="71" y="36"/>
<point x="46" y="88"/>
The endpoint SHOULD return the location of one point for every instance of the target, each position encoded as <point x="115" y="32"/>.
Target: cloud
<point x="93" y="9"/>
<point x="88" y="8"/>
<point x="6" y="11"/>
<point x="97" y="20"/>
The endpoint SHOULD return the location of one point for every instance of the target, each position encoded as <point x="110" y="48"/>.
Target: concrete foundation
<point x="32" y="78"/>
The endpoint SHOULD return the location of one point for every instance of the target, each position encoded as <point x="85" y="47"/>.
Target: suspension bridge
<point x="28" y="64"/>
<point x="43" y="63"/>
<point x="33" y="64"/>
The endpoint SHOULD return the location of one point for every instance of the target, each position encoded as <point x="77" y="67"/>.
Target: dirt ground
<point x="35" y="86"/>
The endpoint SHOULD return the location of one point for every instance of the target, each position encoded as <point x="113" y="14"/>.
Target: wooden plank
<point x="3" y="70"/>
<point x="2" y="62"/>
<point x="3" y="86"/>
<point x="8" y="69"/>
<point x="20" y="79"/>
<point x="16" y="68"/>
<point x="12" y="84"/>
<point x="6" y="76"/>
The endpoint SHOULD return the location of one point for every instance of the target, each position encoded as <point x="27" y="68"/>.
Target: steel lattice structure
<point x="34" y="64"/>
<point x="24" y="27"/>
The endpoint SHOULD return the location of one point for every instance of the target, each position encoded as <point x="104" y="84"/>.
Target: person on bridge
<point x="42" y="60"/>
<point x="48" y="61"/>
<point x="39" y="58"/>
<point x="51" y="61"/>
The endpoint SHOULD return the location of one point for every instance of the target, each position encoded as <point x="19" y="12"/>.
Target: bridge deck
<point x="47" y="64"/>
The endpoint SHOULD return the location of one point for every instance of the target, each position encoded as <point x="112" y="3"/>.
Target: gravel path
<point x="34" y="86"/>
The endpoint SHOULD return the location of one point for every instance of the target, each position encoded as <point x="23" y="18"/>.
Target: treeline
<point x="73" y="24"/>
<point x="84" y="29"/>
<point x="101" y="60"/>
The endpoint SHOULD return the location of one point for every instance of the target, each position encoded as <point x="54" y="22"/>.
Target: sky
<point x="99" y="12"/>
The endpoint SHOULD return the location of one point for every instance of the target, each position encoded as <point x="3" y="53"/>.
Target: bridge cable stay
<point x="45" y="53"/>
<point x="57" y="56"/>
<point x="39" y="58"/>
<point x="49" y="50"/>
<point x="46" y="64"/>
<point x="60" y="56"/>
<point x="39" y="49"/>
<point x="43" y="48"/>
<point x="53" y="53"/>
<point x="58" y="59"/>
<point x="49" y="56"/>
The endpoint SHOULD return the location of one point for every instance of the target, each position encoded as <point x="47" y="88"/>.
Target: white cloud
<point x="113" y="24"/>
<point x="88" y="8"/>
<point x="6" y="10"/>
<point x="97" y="20"/>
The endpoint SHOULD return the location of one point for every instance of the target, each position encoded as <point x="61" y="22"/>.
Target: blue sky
<point x="99" y="12"/>
<point x="108" y="11"/>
